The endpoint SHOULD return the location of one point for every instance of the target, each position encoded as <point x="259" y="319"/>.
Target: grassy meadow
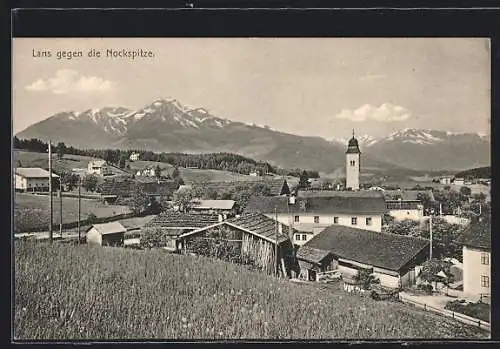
<point x="31" y="210"/>
<point x="89" y="292"/>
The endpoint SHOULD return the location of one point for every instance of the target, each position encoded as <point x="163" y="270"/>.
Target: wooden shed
<point x="106" y="234"/>
<point x="248" y="239"/>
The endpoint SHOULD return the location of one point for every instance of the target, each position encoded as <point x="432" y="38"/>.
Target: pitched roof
<point x="336" y="193"/>
<point x="389" y="251"/>
<point x="174" y="219"/>
<point x="312" y="254"/>
<point x="322" y="204"/>
<point x="407" y="194"/>
<point x="213" y="204"/>
<point x="109" y="228"/>
<point x="403" y="204"/>
<point x="34" y="172"/>
<point x="254" y="224"/>
<point x="277" y="186"/>
<point x="478" y="235"/>
<point x="97" y="163"/>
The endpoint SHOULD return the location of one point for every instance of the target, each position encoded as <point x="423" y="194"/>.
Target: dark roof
<point x="311" y="254"/>
<point x="403" y="204"/>
<point x="353" y="147"/>
<point x="389" y="251"/>
<point x="478" y="235"/>
<point x="407" y="194"/>
<point x="125" y="186"/>
<point x="255" y="224"/>
<point x="174" y="219"/>
<point x="277" y="186"/>
<point x="326" y="204"/>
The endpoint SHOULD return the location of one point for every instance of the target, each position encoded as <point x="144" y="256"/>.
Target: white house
<point x="106" y="234"/>
<point x="477" y="263"/>
<point x="405" y="209"/>
<point x="134" y="156"/>
<point x="31" y="179"/>
<point x="311" y="212"/>
<point x="146" y="172"/>
<point x="459" y="181"/>
<point x="393" y="259"/>
<point x="99" y="167"/>
<point x="446" y="179"/>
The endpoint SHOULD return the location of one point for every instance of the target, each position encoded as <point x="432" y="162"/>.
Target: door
<point x="311" y="273"/>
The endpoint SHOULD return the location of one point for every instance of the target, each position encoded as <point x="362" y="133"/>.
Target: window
<point x="369" y="221"/>
<point x="304" y="237"/>
<point x="296" y="218"/>
<point x="354" y="220"/>
<point x="336" y="220"/>
<point x="316" y="219"/>
<point x="353" y="162"/>
<point x="297" y="237"/>
<point x="485" y="258"/>
<point x="485" y="281"/>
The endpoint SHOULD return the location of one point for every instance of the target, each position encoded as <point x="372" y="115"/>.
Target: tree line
<point x="214" y="161"/>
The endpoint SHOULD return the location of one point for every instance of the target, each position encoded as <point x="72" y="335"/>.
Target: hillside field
<point x="32" y="211"/>
<point x="88" y="292"/>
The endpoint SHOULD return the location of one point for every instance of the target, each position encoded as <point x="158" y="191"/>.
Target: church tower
<point x="352" y="165"/>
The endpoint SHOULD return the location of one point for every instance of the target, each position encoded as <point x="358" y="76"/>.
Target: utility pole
<point x="430" y="231"/>
<point x="60" y="207"/>
<point x="50" y="191"/>
<point x="79" y="206"/>
<point x="276" y="249"/>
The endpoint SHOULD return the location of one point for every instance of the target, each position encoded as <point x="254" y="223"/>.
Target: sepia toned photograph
<point x="215" y="189"/>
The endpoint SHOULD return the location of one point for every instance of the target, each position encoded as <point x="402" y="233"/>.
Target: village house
<point x="106" y="234"/>
<point x="171" y="224"/>
<point x="276" y="186"/>
<point x="459" y="181"/>
<point x="226" y="208"/>
<point x="147" y="172"/>
<point x="32" y="179"/>
<point x="99" y="167"/>
<point x="405" y="209"/>
<point x="255" y="237"/>
<point x="134" y="156"/>
<point x="311" y="212"/>
<point x="124" y="188"/>
<point x="476" y="259"/>
<point x="392" y="259"/>
<point x="446" y="180"/>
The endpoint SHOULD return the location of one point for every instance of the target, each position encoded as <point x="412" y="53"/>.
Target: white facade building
<point x="99" y="167"/>
<point x="353" y="166"/>
<point x="32" y="179"/>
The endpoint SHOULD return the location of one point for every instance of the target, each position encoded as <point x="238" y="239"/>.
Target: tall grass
<point x="84" y="292"/>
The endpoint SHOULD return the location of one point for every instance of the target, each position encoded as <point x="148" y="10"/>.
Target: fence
<point x="448" y="313"/>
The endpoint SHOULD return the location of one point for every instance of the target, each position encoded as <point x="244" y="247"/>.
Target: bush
<point x="427" y="288"/>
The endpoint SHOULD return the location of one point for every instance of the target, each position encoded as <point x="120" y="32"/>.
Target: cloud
<point x="66" y="81"/>
<point x="372" y="77"/>
<point x="385" y="113"/>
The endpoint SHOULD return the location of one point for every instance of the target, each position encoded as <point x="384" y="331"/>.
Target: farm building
<point x="408" y="194"/>
<point x="405" y="209"/>
<point x="459" y="181"/>
<point x="391" y="258"/>
<point x="309" y="214"/>
<point x="99" y="167"/>
<point x="106" y="234"/>
<point x="277" y="186"/>
<point x="171" y="224"/>
<point x="32" y="179"/>
<point x="249" y="239"/>
<point x="146" y="172"/>
<point x="227" y="208"/>
<point x="125" y="187"/>
<point x="134" y="156"/>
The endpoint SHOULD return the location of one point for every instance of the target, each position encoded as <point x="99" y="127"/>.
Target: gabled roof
<point x="403" y="204"/>
<point x="323" y="204"/>
<point x="311" y="254"/>
<point x="109" y="228"/>
<point x="97" y="163"/>
<point x="277" y="186"/>
<point x="181" y="220"/>
<point x="254" y="224"/>
<point x="478" y="235"/>
<point x="388" y="251"/>
<point x="213" y="204"/>
<point x="34" y="172"/>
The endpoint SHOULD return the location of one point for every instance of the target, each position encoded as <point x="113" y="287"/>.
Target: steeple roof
<point x="353" y="146"/>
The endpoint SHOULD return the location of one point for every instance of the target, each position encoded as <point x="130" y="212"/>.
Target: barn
<point x="106" y="234"/>
<point x="249" y="239"/>
<point x="391" y="258"/>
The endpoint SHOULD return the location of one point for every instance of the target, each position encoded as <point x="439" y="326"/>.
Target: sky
<point x="307" y="86"/>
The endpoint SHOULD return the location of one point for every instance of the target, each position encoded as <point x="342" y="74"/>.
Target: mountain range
<point x="169" y="126"/>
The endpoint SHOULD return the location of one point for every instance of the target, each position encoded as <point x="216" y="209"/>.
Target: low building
<point x="405" y="209"/>
<point x="476" y="254"/>
<point x="276" y="186"/>
<point x="446" y="180"/>
<point x="459" y="181"/>
<point x="227" y="208"/>
<point x="99" y="167"/>
<point x="391" y="258"/>
<point x="255" y="238"/>
<point x="134" y="157"/>
<point x="106" y="234"/>
<point x="311" y="212"/>
<point x="171" y="224"/>
<point x="147" y="172"/>
<point x="32" y="179"/>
